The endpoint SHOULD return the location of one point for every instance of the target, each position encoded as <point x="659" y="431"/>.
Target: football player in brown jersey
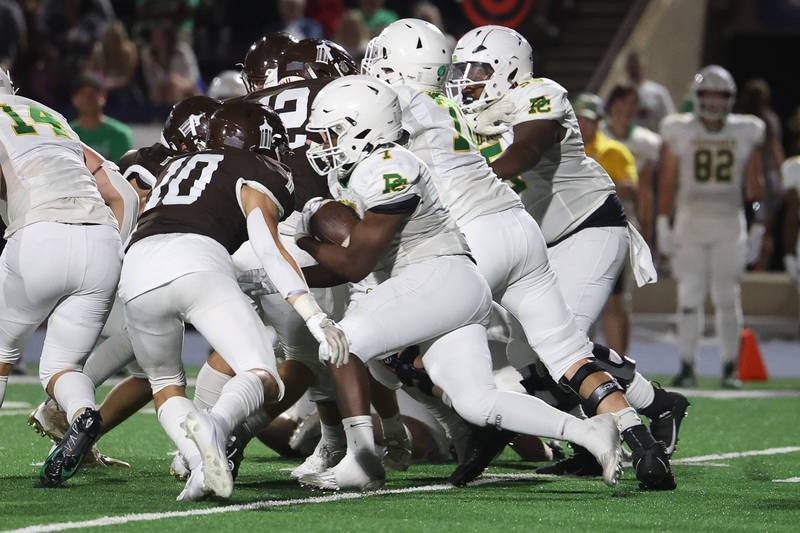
<point x="178" y="268"/>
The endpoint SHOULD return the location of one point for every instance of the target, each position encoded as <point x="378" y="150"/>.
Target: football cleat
<point x="729" y="377"/>
<point x="179" y="468"/>
<point x="605" y="445"/>
<point x="321" y="459"/>
<point x="307" y="434"/>
<point x="581" y="464"/>
<point x="484" y="445"/>
<point x="363" y="472"/>
<point x="96" y="459"/>
<point x="665" y="425"/>
<point x="66" y="458"/>
<point x="49" y="421"/>
<point x="685" y="377"/>
<point x="202" y="429"/>
<point x="652" y="468"/>
<point x="235" y="453"/>
<point x="397" y="454"/>
<point x="195" y="488"/>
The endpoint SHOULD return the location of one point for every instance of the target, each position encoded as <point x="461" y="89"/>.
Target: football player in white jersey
<point x="432" y="294"/>
<point x="531" y="135"/>
<point x="710" y="164"/>
<point x="790" y="174"/>
<point x="62" y="259"/>
<point x="412" y="56"/>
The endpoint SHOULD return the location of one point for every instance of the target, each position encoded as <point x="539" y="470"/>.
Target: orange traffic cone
<point x="751" y="364"/>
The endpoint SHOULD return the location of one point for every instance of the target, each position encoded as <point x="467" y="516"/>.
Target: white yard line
<point x="788" y="480"/>
<point x="266" y="504"/>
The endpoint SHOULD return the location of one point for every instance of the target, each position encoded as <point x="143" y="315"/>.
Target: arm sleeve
<point x="283" y="276"/>
<point x="130" y="200"/>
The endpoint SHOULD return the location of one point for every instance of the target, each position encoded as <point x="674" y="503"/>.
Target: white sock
<point x="170" y="415"/>
<point x="358" y="430"/>
<point x="74" y="391"/>
<point x="627" y="418"/>
<point x="334" y="436"/>
<point x="108" y="358"/>
<point x="209" y="386"/>
<point x="392" y="425"/>
<point x="640" y="393"/>
<point x="240" y="397"/>
<point x="3" y="383"/>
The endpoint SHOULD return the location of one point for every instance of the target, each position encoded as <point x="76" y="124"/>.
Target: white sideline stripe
<point x="15" y="405"/>
<point x="15" y="412"/>
<point x="736" y="455"/>
<point x="264" y="504"/>
<point x="34" y="380"/>
<point x="788" y="480"/>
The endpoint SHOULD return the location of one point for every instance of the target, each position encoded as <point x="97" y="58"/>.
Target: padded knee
<point x="591" y="403"/>
<point x="538" y="380"/>
<point x="475" y="407"/>
<point x="621" y="367"/>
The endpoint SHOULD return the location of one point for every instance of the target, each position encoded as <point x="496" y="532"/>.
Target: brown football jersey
<point x="199" y="193"/>
<point x="292" y="102"/>
<point x="145" y="164"/>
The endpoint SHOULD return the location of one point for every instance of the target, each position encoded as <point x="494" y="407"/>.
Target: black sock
<point x="661" y="403"/>
<point x="638" y="437"/>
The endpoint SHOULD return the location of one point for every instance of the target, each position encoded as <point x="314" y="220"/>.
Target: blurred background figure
<point x="655" y="102"/>
<point x="429" y="12"/>
<point x="115" y="60"/>
<point x="755" y="99"/>
<point x="104" y="134"/>
<point x="294" y="21"/>
<point x="227" y="84"/>
<point x="618" y="162"/>
<point x="644" y="144"/>
<point x="169" y="67"/>
<point x="352" y="34"/>
<point x="13" y="33"/>
<point x="376" y="16"/>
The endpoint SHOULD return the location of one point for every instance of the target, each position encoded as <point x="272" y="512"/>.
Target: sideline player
<point x="710" y="165"/>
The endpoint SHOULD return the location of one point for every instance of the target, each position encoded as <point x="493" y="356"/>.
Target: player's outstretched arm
<point x="115" y="190"/>
<point x="369" y="240"/>
<point x="531" y="139"/>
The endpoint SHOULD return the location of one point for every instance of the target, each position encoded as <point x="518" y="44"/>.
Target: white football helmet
<point x="353" y="115"/>
<point x="6" y="86"/>
<point x="409" y="52"/>
<point x="713" y="79"/>
<point x="493" y="58"/>
<point x="227" y="84"/>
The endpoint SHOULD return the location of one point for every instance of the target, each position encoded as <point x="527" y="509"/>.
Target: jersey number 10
<point x="168" y="190"/>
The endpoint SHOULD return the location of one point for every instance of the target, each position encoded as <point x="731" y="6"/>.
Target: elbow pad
<point x="283" y="276"/>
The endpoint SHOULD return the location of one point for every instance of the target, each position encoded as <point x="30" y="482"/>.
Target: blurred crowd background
<point x="112" y="64"/>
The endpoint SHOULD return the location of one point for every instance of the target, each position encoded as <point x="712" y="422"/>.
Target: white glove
<point x="493" y="120"/>
<point x="754" y="239"/>
<point x="303" y="228"/>
<point x="333" y="345"/>
<point x="665" y="237"/>
<point x="792" y="267"/>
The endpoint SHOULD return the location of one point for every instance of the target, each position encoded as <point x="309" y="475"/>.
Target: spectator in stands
<point x="620" y="165"/>
<point x="327" y="13"/>
<point x="655" y="101"/>
<point x="169" y="67"/>
<point x="295" y="22"/>
<point x="13" y="32"/>
<point x="376" y="17"/>
<point x="179" y="13"/>
<point x="110" y="137"/>
<point x="114" y="57"/>
<point x="645" y="145"/>
<point x="429" y="12"/>
<point x="352" y="34"/>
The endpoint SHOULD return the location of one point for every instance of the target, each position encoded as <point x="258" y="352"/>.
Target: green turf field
<point x="727" y="493"/>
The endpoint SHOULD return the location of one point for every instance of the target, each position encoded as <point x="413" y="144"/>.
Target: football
<point x="333" y="222"/>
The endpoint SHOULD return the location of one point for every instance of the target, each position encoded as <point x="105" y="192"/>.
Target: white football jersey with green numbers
<point x="711" y="164"/>
<point x="393" y="180"/>
<point x="439" y="135"/>
<point x="43" y="168"/>
<point x="566" y="186"/>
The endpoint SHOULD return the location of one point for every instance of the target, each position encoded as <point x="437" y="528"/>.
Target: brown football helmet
<point x="186" y="127"/>
<point x="249" y="126"/>
<point x="315" y="58"/>
<point x="261" y="61"/>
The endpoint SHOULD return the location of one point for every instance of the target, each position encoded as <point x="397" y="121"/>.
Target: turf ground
<point x="721" y="488"/>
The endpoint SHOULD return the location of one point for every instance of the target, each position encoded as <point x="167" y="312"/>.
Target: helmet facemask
<point x="328" y="155"/>
<point x="714" y="105"/>
<point x="468" y="85"/>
